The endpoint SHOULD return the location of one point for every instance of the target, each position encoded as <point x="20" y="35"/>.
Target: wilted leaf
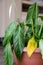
<point x="32" y="45"/>
<point x="9" y="32"/>
<point x="41" y="46"/>
<point x="8" y="56"/>
<point x="18" y="40"/>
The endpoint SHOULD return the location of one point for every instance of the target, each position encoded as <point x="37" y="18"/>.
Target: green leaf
<point x="35" y="14"/>
<point x="8" y="56"/>
<point x="41" y="46"/>
<point x="36" y="29"/>
<point x="18" y="40"/>
<point x="28" y="35"/>
<point x="41" y="17"/>
<point x="42" y="34"/>
<point x="41" y="28"/>
<point x="32" y="18"/>
<point x="9" y="32"/>
<point x="40" y="31"/>
<point x="32" y="14"/>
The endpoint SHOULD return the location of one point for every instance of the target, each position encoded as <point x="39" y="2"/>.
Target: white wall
<point x="2" y="18"/>
<point x="4" y="14"/>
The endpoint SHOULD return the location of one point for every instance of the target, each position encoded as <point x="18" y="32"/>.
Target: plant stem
<point x="40" y="29"/>
<point x="33" y="28"/>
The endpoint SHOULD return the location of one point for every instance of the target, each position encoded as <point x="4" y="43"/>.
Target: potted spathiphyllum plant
<point x="26" y="39"/>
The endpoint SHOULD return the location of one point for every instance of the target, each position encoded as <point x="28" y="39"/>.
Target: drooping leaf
<point x="32" y="14"/>
<point x="8" y="33"/>
<point x="32" y="45"/>
<point x="18" y="40"/>
<point x="8" y="56"/>
<point x="41" y="46"/>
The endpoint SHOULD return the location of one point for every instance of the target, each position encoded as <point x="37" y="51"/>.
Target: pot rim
<point x="37" y="50"/>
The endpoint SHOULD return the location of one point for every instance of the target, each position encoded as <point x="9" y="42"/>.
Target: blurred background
<point x="18" y="11"/>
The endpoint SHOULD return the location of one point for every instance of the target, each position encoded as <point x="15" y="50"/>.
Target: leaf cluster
<point x="15" y="34"/>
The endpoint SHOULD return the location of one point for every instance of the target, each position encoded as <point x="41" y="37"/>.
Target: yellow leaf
<point x="32" y="45"/>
